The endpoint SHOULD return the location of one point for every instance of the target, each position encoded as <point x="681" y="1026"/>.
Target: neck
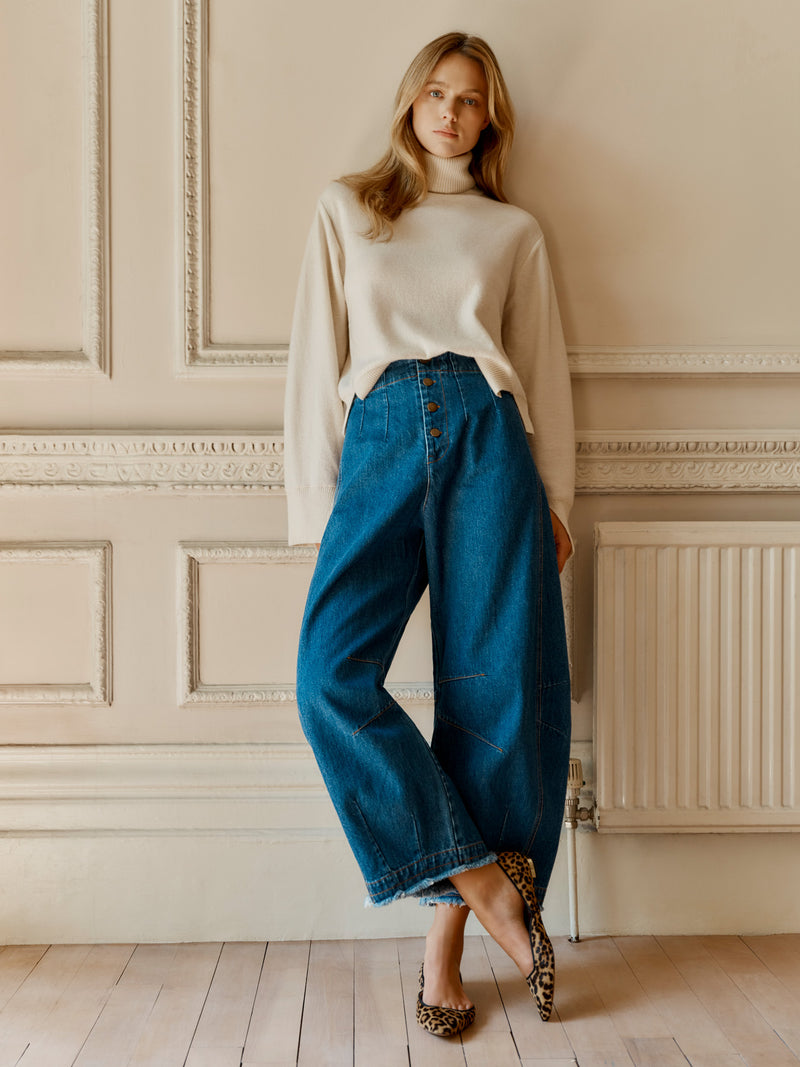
<point x="449" y="175"/>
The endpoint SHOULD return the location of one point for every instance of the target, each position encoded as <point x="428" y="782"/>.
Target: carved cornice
<point x="97" y="554"/>
<point x="199" y="352"/>
<point x="688" y="463"/>
<point x="586" y="362"/>
<point x="92" y="357"/>
<point x="132" y="462"/>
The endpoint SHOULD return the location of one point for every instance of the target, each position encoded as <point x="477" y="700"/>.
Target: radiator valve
<point x="574" y="812"/>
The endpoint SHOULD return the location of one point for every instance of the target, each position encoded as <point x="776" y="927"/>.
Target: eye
<point x="435" y="92"/>
<point x="470" y="102"/>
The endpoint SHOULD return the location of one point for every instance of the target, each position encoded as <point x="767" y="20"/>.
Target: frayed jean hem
<point x="444" y="896"/>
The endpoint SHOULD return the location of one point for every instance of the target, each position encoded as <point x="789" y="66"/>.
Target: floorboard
<point x="620" y="1002"/>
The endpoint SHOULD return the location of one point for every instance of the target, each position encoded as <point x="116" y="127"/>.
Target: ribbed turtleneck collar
<point x="449" y="175"/>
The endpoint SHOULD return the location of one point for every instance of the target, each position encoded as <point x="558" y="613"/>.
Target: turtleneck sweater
<point x="461" y="273"/>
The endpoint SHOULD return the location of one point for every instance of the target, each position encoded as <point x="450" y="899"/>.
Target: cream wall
<point x="160" y="169"/>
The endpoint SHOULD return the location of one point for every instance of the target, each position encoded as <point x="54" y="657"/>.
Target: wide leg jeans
<point x="437" y="487"/>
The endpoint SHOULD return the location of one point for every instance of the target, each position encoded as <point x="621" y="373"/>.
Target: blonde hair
<point x="398" y="180"/>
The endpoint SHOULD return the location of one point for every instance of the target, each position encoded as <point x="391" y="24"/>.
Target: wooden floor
<point x="652" y="1002"/>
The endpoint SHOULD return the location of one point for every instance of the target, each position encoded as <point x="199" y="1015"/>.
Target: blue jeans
<point x="437" y="487"/>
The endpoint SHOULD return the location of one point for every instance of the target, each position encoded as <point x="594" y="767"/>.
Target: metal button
<point x="436" y="433"/>
<point x="433" y="407"/>
<point x="427" y="381"/>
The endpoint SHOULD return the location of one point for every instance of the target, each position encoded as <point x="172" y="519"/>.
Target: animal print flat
<point x="443" y="1022"/>
<point x="542" y="979"/>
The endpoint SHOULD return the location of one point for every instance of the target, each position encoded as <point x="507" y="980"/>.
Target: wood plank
<point x="489" y="1048"/>
<point x="167" y="1033"/>
<point x="229" y="1006"/>
<point x="424" y="1049"/>
<point x="765" y="992"/>
<point x="631" y="1010"/>
<point x="550" y="1063"/>
<point x="274" y="1033"/>
<point x="116" y="1032"/>
<point x="751" y="1036"/>
<point x="532" y="1036"/>
<point x="693" y="1028"/>
<point x="149" y="965"/>
<point x="655" y="1052"/>
<point x="780" y="956"/>
<point x="479" y="981"/>
<point x="587" y="1024"/>
<point x="59" y="1038"/>
<point x="326" y="1037"/>
<point x="25" y="1012"/>
<point x="209" y="1056"/>
<point x="380" y="1027"/>
<point x="16" y="963"/>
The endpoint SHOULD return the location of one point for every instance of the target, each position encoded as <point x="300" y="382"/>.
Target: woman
<point x="429" y="434"/>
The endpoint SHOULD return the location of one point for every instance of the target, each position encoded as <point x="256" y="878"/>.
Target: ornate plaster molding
<point x="97" y="554"/>
<point x="199" y="352"/>
<point x="688" y="462"/>
<point x="92" y="357"/>
<point x="665" y="461"/>
<point x="192" y="691"/>
<point x="130" y="462"/>
<point x="588" y="362"/>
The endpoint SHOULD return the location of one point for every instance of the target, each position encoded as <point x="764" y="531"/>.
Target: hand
<point x="563" y="543"/>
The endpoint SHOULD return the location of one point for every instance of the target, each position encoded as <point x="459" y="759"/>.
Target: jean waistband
<point x="446" y="363"/>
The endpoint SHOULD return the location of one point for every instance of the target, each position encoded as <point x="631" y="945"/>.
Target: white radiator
<point x="697" y="676"/>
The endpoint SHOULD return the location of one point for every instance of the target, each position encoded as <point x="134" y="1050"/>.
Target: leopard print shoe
<point x="542" y="979"/>
<point x="442" y="1022"/>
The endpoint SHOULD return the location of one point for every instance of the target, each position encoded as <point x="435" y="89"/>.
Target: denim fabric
<point x="463" y="511"/>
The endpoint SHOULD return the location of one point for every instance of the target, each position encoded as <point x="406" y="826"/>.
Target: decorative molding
<point x="588" y="362"/>
<point x="92" y="358"/>
<point x="662" y="461"/>
<point x="97" y="554"/>
<point x="130" y="462"/>
<point x="199" y="352"/>
<point x="688" y="462"/>
<point x="192" y="690"/>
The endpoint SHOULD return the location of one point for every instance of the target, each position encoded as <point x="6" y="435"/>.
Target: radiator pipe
<point x="572" y="816"/>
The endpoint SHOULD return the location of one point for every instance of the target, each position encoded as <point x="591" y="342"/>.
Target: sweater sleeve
<point x="534" y="342"/>
<point x="314" y="417"/>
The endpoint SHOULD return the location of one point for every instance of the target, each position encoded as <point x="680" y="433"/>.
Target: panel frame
<point x="97" y="691"/>
<point x="93" y="357"/>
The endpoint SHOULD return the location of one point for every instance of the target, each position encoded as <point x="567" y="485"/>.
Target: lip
<point x="446" y="133"/>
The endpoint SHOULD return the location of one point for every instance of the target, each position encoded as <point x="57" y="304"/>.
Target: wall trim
<point x="136" y="462"/>
<point x="92" y="358"/>
<point x="97" y="554"/>
<point x="695" y="362"/>
<point x="198" y="351"/>
<point x="686" y="461"/>
<point x="192" y="691"/>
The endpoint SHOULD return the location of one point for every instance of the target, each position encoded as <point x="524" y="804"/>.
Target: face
<point x="452" y="109"/>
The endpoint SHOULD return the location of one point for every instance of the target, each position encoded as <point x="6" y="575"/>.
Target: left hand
<point x="563" y="543"/>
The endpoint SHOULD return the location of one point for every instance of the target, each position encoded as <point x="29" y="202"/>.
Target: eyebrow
<point x="446" y="85"/>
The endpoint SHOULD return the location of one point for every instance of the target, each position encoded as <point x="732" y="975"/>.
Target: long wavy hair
<point x="398" y="180"/>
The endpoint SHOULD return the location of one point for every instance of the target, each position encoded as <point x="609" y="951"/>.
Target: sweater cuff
<point x="309" y="510"/>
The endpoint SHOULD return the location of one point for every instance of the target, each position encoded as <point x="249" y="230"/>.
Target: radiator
<point x="697" y="676"/>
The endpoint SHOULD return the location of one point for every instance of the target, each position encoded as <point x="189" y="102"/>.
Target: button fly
<point x="433" y="407"/>
<point x="436" y="433"/>
<point x="427" y="381"/>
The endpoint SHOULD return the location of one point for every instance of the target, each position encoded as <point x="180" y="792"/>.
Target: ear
<point x="486" y="123"/>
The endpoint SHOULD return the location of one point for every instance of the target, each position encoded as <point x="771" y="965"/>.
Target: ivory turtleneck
<point x="449" y="175"/>
<point x="461" y="273"/>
